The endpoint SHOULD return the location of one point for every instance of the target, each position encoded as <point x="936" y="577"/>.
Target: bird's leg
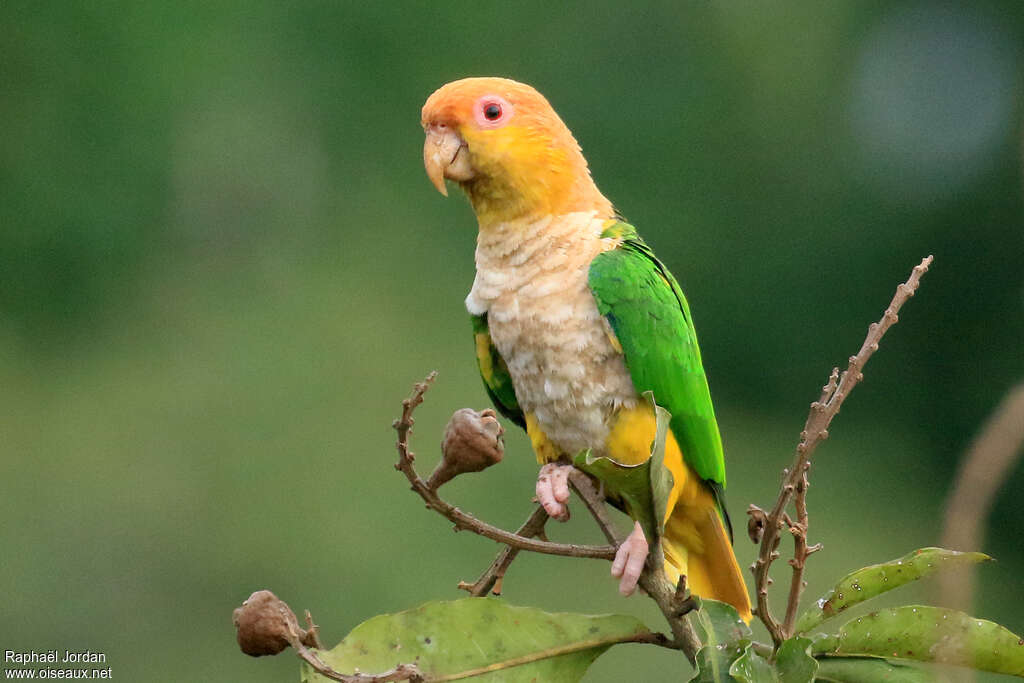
<point x="630" y="559"/>
<point x="553" y="490"/>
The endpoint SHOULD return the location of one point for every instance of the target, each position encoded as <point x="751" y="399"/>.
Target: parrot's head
<point x="508" y="149"/>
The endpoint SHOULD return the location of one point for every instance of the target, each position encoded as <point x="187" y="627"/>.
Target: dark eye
<point x="492" y="111"/>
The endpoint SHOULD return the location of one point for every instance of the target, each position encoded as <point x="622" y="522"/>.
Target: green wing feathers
<point x="494" y="373"/>
<point x="649" y="315"/>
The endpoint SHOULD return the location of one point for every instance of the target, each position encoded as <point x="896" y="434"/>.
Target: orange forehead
<point x="452" y="104"/>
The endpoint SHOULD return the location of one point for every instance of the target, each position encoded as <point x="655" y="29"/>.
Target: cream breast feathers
<point x="532" y="282"/>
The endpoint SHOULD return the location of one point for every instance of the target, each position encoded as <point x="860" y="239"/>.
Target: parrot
<point x="575" y="320"/>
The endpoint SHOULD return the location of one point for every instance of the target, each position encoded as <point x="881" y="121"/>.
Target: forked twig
<point x="463" y="520"/>
<point x="492" y="577"/>
<point x="794" y="486"/>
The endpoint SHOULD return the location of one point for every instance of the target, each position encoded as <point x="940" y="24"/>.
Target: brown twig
<point x="800" y="552"/>
<point x="402" y="672"/>
<point x="795" y="478"/>
<point x="493" y="575"/>
<point x="313" y="632"/>
<point x="461" y="519"/>
<point x="652" y="580"/>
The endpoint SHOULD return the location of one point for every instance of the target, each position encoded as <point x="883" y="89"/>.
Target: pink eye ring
<point x="492" y="111"/>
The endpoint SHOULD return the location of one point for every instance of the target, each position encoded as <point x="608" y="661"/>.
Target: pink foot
<point x="629" y="560"/>
<point x="553" y="490"/>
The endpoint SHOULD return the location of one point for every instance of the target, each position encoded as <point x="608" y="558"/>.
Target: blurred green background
<point x="222" y="267"/>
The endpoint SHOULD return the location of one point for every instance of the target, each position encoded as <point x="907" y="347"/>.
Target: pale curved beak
<point x="444" y="156"/>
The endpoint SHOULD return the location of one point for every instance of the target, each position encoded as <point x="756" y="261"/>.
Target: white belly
<point x="532" y="282"/>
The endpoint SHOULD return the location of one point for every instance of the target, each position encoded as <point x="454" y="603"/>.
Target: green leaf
<point x="643" y="489"/>
<point x="661" y="477"/>
<point x="715" y="661"/>
<point x="929" y="634"/>
<point x="725" y="637"/>
<point x="869" y="582"/>
<point x="794" y="661"/>
<point x="718" y="623"/>
<point x="870" y="670"/>
<point x="751" y="667"/>
<point x="725" y="660"/>
<point x="474" y="637"/>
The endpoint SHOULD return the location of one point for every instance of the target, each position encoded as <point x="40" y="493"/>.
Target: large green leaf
<point x="868" y="582"/>
<point x="929" y="634"/>
<point x="870" y="670"/>
<point x="483" y="638"/>
<point x="643" y="489"/>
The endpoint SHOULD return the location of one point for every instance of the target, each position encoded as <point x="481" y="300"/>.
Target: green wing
<point x="494" y="373"/>
<point x="649" y="315"/>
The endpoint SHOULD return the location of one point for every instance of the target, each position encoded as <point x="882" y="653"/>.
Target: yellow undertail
<point x="697" y="545"/>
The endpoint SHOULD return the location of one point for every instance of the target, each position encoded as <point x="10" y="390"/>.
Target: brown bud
<point x="756" y="523"/>
<point x="265" y="624"/>
<point x="472" y="442"/>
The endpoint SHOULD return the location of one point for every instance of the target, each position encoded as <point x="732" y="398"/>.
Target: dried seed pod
<point x="472" y="442"/>
<point x="265" y="624"/>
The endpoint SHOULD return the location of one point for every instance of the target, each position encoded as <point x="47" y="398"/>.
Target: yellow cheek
<point x="525" y="171"/>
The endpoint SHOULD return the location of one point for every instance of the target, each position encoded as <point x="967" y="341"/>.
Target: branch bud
<point x="756" y="523"/>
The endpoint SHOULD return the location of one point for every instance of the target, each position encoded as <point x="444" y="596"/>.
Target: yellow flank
<point x="696" y="543"/>
<point x="483" y="356"/>
<point x="545" y="450"/>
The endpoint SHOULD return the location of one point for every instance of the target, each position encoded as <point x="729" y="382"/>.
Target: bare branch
<point x="800" y="551"/>
<point x="495" y="574"/>
<point x="464" y="520"/>
<point x="795" y="478"/>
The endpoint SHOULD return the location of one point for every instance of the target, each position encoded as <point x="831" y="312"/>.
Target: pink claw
<point x="629" y="560"/>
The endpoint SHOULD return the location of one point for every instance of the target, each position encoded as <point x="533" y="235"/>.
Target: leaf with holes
<point x="928" y="634"/>
<point x="474" y="637"/>
<point x="868" y="582"/>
